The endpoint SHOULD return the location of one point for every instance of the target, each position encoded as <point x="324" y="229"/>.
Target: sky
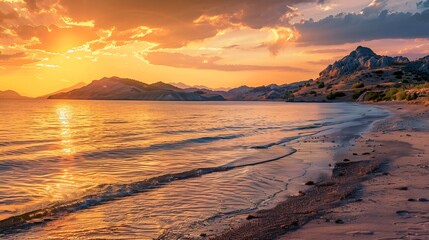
<point x="46" y="45"/>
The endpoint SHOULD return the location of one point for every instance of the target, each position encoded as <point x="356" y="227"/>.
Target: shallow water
<point x="133" y="169"/>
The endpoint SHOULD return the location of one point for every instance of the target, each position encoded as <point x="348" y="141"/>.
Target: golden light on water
<point x="64" y="116"/>
<point x="65" y="184"/>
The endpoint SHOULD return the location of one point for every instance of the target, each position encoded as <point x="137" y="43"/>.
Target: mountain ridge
<point x="366" y="76"/>
<point x="362" y="58"/>
<point x="11" y="95"/>
<point x="116" y="88"/>
<point x="360" y="71"/>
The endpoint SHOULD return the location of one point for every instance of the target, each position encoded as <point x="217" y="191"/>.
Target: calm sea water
<point x="131" y="169"/>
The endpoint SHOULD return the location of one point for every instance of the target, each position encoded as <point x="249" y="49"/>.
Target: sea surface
<point x="136" y="170"/>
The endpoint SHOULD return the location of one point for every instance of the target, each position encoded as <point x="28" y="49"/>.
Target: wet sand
<point x="378" y="190"/>
<point x="393" y="205"/>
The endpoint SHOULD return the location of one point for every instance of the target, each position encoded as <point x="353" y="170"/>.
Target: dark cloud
<point x="423" y="4"/>
<point x="179" y="60"/>
<point x="351" y="28"/>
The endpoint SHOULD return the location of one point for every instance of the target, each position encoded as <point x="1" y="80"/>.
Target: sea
<point x="141" y="169"/>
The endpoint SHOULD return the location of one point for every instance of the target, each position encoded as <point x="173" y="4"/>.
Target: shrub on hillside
<point x="401" y="95"/>
<point x="358" y="85"/>
<point x="358" y="93"/>
<point x="374" y="96"/>
<point x="413" y="96"/>
<point x="321" y="85"/>
<point x="332" y="96"/>
<point x="390" y="94"/>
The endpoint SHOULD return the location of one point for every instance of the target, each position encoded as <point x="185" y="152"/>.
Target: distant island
<point x="360" y="76"/>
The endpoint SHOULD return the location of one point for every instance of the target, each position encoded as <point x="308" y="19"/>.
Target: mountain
<point x="263" y="93"/>
<point x="11" y="95"/>
<point x="165" y="86"/>
<point x="201" y="87"/>
<point x="116" y="88"/>
<point x="365" y="75"/>
<point x="420" y="65"/>
<point x="76" y="86"/>
<point x="362" y="74"/>
<point x="360" y="59"/>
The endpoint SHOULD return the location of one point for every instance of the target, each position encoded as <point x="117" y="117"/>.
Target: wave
<point x="109" y="192"/>
<point x="116" y="122"/>
<point x="284" y="140"/>
<point x="24" y="142"/>
<point x="133" y="151"/>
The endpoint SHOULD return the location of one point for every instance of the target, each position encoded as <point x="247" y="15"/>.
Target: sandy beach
<point x="378" y="189"/>
<point x="394" y="204"/>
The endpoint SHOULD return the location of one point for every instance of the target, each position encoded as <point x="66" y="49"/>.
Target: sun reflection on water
<point x="65" y="115"/>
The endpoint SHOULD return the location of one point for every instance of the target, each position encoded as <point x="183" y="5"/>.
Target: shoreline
<point x="368" y="159"/>
<point x="393" y="205"/>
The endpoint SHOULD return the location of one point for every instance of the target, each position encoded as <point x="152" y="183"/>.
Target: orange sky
<point x="46" y="45"/>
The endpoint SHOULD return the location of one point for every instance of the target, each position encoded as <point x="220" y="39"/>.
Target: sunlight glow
<point x="64" y="116"/>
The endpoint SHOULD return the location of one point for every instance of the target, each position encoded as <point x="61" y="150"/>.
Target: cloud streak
<point x="179" y="60"/>
<point x="15" y="59"/>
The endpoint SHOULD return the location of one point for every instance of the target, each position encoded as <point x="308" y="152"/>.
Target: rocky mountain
<point x="116" y="88"/>
<point x="364" y="75"/>
<point x="76" y="86"/>
<point x="11" y="95"/>
<point x="360" y="59"/>
<point x="420" y="65"/>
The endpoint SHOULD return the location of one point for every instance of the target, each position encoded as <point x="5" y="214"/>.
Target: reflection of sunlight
<point x="64" y="185"/>
<point x="64" y="116"/>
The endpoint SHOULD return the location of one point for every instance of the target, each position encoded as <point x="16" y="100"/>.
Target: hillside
<point x="365" y="76"/>
<point x="116" y="88"/>
<point x="11" y="95"/>
<point x="76" y="86"/>
<point x="271" y="92"/>
<point x="362" y="75"/>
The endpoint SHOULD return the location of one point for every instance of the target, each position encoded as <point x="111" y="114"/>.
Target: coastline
<point x="371" y="191"/>
<point x="393" y="204"/>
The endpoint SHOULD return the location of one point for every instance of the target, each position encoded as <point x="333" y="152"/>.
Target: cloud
<point x="282" y="38"/>
<point x="351" y="28"/>
<point x="177" y="23"/>
<point x="423" y="4"/>
<point x="326" y="50"/>
<point x="55" y="39"/>
<point x="375" y="7"/>
<point x="15" y="59"/>
<point x="179" y="60"/>
<point x="324" y="62"/>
